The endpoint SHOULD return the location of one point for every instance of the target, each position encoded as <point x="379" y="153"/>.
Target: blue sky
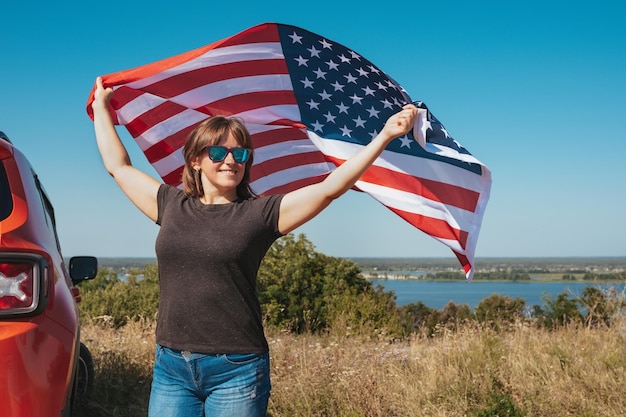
<point x="534" y="89"/>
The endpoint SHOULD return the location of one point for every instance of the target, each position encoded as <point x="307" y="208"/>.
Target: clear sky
<point x="534" y="89"/>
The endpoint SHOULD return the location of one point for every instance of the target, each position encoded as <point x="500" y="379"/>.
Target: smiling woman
<point x="213" y="236"/>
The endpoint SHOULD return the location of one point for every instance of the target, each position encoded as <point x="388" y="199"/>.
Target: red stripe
<point x="291" y="186"/>
<point x="274" y="136"/>
<point x="248" y="101"/>
<point x="153" y="117"/>
<point x="465" y="263"/>
<point x="189" y="80"/>
<point x="175" y="177"/>
<point x="281" y="163"/>
<point x="169" y="144"/>
<point x="267" y="32"/>
<point x="124" y="95"/>
<point x="442" y="192"/>
<point x="434" y="227"/>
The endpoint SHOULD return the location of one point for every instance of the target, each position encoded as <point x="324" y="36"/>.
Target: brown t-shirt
<point x="208" y="258"/>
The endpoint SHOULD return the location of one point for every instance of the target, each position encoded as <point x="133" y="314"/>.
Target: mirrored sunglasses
<point x="219" y="153"/>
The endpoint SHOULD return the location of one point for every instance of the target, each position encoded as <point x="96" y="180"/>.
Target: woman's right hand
<point x="101" y="96"/>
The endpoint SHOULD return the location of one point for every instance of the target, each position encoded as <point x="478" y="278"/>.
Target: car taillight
<point x="22" y="284"/>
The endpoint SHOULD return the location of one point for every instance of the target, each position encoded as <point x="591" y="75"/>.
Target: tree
<point x="498" y="308"/>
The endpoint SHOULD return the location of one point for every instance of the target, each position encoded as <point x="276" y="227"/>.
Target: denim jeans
<point x="197" y="385"/>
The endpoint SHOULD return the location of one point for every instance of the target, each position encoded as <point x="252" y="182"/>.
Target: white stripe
<point x="285" y="148"/>
<point x="413" y="203"/>
<point x="169" y="127"/>
<point x="406" y="164"/>
<point x="289" y="175"/>
<point x="218" y="56"/>
<point x="209" y="93"/>
<point x="170" y="163"/>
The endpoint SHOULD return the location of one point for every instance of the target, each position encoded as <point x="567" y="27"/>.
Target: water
<point x="436" y="294"/>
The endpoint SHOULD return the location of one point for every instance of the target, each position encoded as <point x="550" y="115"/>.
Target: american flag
<point x="309" y="103"/>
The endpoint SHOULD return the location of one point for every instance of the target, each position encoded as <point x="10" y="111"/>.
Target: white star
<point x="317" y="126"/>
<point x="373" y="112"/>
<point x="342" y="108"/>
<point x="295" y="38"/>
<point x="313" y="105"/>
<point x="373" y="134"/>
<point x="374" y="69"/>
<point x="324" y="95"/>
<point x="387" y="104"/>
<point x="359" y="122"/>
<point x="330" y="118"/>
<point x="381" y="86"/>
<point x="445" y="132"/>
<point x="338" y="87"/>
<point x="368" y="91"/>
<point x="302" y="61"/>
<point x="406" y="142"/>
<point x="355" y="55"/>
<point x="356" y="99"/>
<point x="326" y="44"/>
<point x="350" y="78"/>
<point x="362" y="72"/>
<point x="332" y="65"/>
<point x="343" y="58"/>
<point x="345" y="131"/>
<point x="314" y="52"/>
<point x="320" y="73"/>
<point x="307" y="83"/>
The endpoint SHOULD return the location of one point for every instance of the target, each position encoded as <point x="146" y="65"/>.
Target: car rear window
<point x="6" y="201"/>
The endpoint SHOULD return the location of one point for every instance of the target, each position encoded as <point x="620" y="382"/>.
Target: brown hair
<point x="208" y="133"/>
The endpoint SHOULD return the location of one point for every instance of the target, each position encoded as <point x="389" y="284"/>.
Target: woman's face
<point x="222" y="178"/>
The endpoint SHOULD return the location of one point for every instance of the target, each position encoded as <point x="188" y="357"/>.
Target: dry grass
<point x="471" y="372"/>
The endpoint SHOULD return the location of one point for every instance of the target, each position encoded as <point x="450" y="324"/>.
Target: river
<point x="436" y="294"/>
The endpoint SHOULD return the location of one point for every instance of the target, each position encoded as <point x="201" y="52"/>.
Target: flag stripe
<point x="310" y="104"/>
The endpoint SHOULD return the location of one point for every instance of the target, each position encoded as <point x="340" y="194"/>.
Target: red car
<point x="44" y="368"/>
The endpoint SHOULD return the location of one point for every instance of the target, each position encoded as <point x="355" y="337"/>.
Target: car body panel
<point x="38" y="350"/>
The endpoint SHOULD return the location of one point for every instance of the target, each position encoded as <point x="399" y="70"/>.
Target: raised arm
<point x="138" y="186"/>
<point x="300" y="206"/>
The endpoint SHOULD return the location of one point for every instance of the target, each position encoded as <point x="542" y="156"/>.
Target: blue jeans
<point x="196" y="385"/>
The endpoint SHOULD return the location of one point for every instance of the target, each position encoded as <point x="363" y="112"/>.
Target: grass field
<point x="474" y="371"/>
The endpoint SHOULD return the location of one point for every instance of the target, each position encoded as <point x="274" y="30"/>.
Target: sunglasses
<point x="219" y="153"/>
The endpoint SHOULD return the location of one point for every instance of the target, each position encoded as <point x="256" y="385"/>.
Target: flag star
<point x="302" y="61"/>
<point x="356" y="99"/>
<point x="326" y="44"/>
<point x="345" y="131"/>
<point x="317" y="126"/>
<point x="368" y="91"/>
<point x="342" y="108"/>
<point x="381" y="86"/>
<point x="338" y="87"/>
<point x="391" y="84"/>
<point x="320" y="73"/>
<point x="373" y="112"/>
<point x="445" y="132"/>
<point x="374" y="69"/>
<point x="373" y="134"/>
<point x="362" y="72"/>
<point x="343" y="58"/>
<point x="350" y="78"/>
<point x="307" y="83"/>
<point x="330" y="118"/>
<point x="295" y="38"/>
<point x="359" y="122"/>
<point x="314" y="51"/>
<point x="324" y="95"/>
<point x="406" y="142"/>
<point x="387" y="104"/>
<point x="313" y="105"/>
<point x="332" y="65"/>
<point x="355" y="55"/>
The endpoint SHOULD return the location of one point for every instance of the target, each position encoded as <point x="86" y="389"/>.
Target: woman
<point x="212" y="356"/>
